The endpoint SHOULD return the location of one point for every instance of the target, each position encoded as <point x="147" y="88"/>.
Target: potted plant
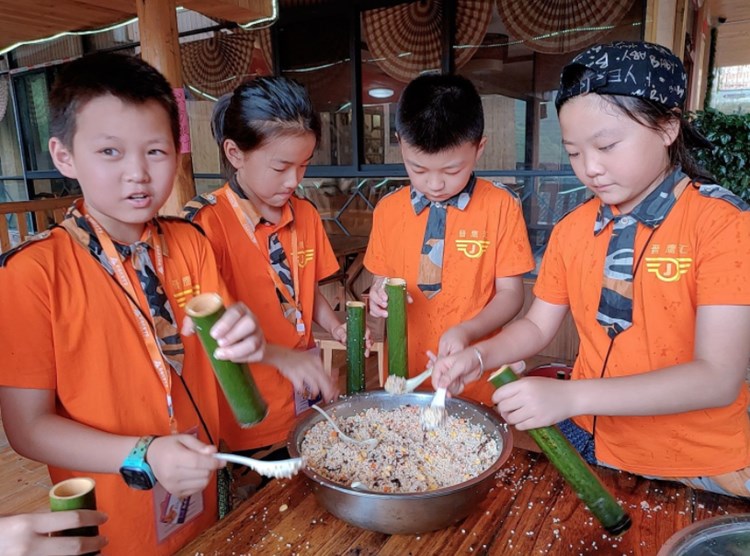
<point x="729" y="160"/>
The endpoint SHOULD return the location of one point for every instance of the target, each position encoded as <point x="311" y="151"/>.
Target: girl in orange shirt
<point x="656" y="273"/>
<point x="272" y="248"/>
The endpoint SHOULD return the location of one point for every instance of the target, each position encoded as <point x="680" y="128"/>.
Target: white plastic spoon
<point x="282" y="469"/>
<point x="368" y="443"/>
<point x="434" y="415"/>
<point x="399" y="385"/>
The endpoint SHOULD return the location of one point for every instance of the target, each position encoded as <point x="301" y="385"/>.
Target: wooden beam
<point x="239" y="11"/>
<point x="157" y="23"/>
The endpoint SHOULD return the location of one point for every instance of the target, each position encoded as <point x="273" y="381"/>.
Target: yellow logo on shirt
<point x="304" y="256"/>
<point x="472" y="248"/>
<point x="185" y="290"/>
<point x="668" y="269"/>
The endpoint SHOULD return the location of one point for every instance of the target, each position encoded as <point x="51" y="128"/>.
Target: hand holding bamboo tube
<point x="574" y="469"/>
<point x="396" y="332"/>
<point x="235" y="379"/>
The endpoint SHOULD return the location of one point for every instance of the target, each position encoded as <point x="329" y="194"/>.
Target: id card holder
<point x="303" y="400"/>
<point x="171" y="512"/>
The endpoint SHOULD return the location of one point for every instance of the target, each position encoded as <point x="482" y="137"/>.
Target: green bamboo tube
<point x="74" y="494"/>
<point x="395" y="326"/>
<point x="574" y="469"/>
<point x="355" y="347"/>
<point x="235" y="379"/>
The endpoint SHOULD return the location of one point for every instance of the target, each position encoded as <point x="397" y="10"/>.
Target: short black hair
<point x="127" y="78"/>
<point x="262" y="109"/>
<point x="439" y="112"/>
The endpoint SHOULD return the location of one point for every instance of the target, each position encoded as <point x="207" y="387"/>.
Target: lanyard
<point x="244" y="220"/>
<point x="147" y="331"/>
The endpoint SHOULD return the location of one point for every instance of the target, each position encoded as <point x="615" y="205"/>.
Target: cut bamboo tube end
<point x="395" y="282"/>
<point x="355" y="304"/>
<point x="204" y="304"/>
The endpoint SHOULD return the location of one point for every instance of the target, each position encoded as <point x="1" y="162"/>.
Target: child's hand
<point x="453" y="340"/>
<point x="28" y="534"/>
<point x="455" y="371"/>
<point x="304" y="371"/>
<point x="379" y="299"/>
<point x="339" y="334"/>
<point x="182" y="464"/>
<point x="239" y="335"/>
<point x="534" y="402"/>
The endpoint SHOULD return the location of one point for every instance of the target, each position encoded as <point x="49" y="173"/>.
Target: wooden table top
<point x="530" y="510"/>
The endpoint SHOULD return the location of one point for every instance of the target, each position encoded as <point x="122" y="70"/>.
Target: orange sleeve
<point x="27" y="357"/>
<point x="551" y="283"/>
<point x="513" y="242"/>
<point x="376" y="259"/>
<point x="723" y="264"/>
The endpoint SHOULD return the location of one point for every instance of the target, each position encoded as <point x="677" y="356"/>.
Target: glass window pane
<point x="315" y="52"/>
<point x="32" y="91"/>
<point x="10" y="151"/>
<point x="56" y="187"/>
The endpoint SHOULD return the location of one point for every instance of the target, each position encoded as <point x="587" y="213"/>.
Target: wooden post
<point x="160" y="47"/>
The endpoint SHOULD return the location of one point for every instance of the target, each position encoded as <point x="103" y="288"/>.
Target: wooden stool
<point x="327" y="344"/>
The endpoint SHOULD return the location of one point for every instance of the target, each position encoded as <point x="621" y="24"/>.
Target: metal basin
<point x="404" y="513"/>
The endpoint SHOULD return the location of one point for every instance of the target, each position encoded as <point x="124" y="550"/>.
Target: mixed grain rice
<point x="407" y="458"/>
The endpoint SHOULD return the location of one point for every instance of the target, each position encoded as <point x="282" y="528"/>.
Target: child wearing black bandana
<point x="655" y="270"/>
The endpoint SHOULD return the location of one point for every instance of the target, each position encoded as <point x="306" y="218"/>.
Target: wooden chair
<point x="42" y="213"/>
<point x="328" y="345"/>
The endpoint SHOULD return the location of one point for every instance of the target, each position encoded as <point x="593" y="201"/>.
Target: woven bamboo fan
<point x="559" y="26"/>
<point x="218" y="64"/>
<point x="405" y="40"/>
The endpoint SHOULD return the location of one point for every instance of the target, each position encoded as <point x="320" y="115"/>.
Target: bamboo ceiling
<point x="36" y="19"/>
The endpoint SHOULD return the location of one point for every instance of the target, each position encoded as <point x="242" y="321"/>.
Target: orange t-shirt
<point x="245" y="269"/>
<point x="700" y="255"/>
<point x="485" y="241"/>
<point x="68" y="327"/>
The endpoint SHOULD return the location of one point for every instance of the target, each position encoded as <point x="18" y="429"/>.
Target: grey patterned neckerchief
<point x="162" y="315"/>
<point x="276" y="254"/>
<point x="615" y="312"/>
<point x="433" y="245"/>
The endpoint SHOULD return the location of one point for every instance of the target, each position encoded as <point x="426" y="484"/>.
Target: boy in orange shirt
<point x="459" y="241"/>
<point x="95" y="377"/>
<point x="655" y="270"/>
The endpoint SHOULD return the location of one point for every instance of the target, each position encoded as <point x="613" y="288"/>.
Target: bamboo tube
<point x="574" y="469"/>
<point x="235" y="379"/>
<point x="395" y="324"/>
<point x="355" y="347"/>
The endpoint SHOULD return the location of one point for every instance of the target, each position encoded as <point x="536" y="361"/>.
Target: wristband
<point x="135" y="469"/>
<point x="479" y="358"/>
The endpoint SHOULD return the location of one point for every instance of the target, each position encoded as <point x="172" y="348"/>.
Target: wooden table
<point x="343" y="247"/>
<point x="531" y="510"/>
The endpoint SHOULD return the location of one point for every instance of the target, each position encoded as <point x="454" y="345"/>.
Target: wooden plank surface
<point x="530" y="510"/>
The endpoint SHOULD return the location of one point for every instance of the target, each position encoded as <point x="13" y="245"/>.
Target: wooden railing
<point x="41" y="213"/>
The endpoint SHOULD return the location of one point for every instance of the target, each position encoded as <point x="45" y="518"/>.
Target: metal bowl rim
<point x="308" y="418"/>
